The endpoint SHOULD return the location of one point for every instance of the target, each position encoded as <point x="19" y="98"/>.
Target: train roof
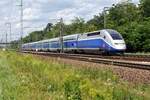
<point x="90" y="32"/>
<point x="47" y="40"/>
<point x="73" y="35"/>
<point x="67" y="36"/>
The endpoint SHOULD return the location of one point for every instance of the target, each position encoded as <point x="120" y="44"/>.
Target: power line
<point x="21" y="20"/>
<point x="61" y="35"/>
<point x="21" y="23"/>
<point x="8" y="23"/>
<point x="105" y="19"/>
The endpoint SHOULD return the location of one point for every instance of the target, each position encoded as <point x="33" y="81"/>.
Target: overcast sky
<point x="37" y="13"/>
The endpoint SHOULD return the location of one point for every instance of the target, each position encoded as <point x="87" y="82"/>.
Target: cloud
<point x="37" y="13"/>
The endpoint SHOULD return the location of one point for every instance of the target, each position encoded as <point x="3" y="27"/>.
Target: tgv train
<point x="102" y="41"/>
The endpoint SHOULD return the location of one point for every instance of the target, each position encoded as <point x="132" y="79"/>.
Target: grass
<point x="139" y="53"/>
<point x="25" y="77"/>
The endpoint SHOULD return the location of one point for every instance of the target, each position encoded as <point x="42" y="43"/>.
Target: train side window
<point x="69" y="39"/>
<point x="53" y="41"/>
<point x="93" y="34"/>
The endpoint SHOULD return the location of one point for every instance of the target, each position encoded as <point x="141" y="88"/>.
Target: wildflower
<point x="49" y="87"/>
<point x="62" y="96"/>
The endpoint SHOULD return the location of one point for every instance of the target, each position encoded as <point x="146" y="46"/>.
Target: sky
<point x="37" y="13"/>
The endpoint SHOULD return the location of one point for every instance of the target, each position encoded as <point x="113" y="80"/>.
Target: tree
<point x="97" y="22"/>
<point x="131" y="21"/>
<point x="78" y="25"/>
<point x="121" y="14"/>
<point x="34" y="36"/>
<point x="48" y="27"/>
<point x="145" y="4"/>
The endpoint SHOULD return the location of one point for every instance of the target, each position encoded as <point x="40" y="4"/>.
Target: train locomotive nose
<point x="120" y="46"/>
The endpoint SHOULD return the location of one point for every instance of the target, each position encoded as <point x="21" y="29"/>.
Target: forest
<point x="131" y="20"/>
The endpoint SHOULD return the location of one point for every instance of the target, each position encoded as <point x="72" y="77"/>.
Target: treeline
<point x="132" y="21"/>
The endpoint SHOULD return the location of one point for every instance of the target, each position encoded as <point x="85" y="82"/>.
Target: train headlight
<point x="119" y="43"/>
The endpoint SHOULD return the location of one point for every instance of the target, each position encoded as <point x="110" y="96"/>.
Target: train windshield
<point x="115" y="35"/>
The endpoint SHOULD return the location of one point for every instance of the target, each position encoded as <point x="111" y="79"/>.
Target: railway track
<point x="125" y="61"/>
<point x="118" y="57"/>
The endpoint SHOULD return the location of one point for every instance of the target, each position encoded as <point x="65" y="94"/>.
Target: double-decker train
<point x="102" y="41"/>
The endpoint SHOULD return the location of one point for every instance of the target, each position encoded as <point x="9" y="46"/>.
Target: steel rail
<point x="120" y="57"/>
<point x="130" y="64"/>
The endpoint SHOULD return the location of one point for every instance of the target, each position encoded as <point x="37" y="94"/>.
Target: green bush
<point x="72" y="88"/>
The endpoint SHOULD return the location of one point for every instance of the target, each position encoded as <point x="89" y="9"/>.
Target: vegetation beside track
<point x="25" y="77"/>
<point x="131" y="20"/>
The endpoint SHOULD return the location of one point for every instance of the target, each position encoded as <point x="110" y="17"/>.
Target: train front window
<point x="114" y="34"/>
